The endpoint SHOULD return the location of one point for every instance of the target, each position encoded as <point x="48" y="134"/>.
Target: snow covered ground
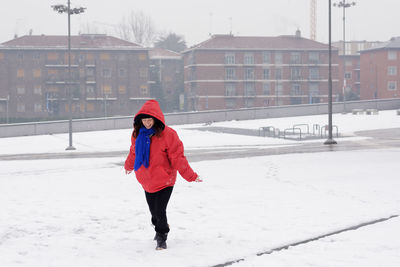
<point x="87" y="212"/>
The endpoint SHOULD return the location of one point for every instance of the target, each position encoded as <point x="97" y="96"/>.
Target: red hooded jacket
<point x="166" y="155"/>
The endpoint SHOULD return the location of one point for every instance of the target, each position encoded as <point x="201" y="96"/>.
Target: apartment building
<point x="380" y="66"/>
<point x="109" y="76"/>
<point x="228" y="72"/>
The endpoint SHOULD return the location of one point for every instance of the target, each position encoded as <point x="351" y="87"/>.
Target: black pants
<point x="158" y="202"/>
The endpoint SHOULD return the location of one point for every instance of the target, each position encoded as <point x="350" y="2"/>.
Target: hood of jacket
<point x="152" y="108"/>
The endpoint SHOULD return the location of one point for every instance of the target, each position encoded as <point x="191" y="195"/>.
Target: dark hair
<point x="137" y="124"/>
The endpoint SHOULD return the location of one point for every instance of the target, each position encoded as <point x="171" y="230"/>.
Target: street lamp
<point x="330" y="140"/>
<point x="67" y="9"/>
<point x="344" y="5"/>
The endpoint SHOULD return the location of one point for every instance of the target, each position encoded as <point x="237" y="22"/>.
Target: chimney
<point x="298" y="33"/>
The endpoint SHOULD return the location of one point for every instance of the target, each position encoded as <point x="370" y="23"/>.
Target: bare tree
<point x="138" y="28"/>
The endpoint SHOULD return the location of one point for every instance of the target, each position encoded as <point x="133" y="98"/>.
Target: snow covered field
<point x="87" y="212"/>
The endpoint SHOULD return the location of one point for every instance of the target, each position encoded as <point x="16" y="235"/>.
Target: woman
<point x="156" y="154"/>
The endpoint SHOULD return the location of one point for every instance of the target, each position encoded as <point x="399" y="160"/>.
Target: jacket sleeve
<point x="130" y="160"/>
<point x="177" y="158"/>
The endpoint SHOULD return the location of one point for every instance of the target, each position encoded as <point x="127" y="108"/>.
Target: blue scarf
<point x="142" y="147"/>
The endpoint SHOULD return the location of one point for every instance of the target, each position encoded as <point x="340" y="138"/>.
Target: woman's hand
<point x="198" y="180"/>
<point x="127" y="172"/>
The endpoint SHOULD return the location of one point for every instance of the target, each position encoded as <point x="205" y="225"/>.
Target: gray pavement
<point x="378" y="139"/>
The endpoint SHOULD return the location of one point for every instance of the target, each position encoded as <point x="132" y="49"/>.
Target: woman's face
<point x="148" y="123"/>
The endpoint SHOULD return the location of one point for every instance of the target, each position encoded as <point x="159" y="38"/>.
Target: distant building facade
<point x="109" y="77"/>
<point x="349" y="67"/>
<point x="166" y="79"/>
<point x="380" y="66"/>
<point x="227" y="72"/>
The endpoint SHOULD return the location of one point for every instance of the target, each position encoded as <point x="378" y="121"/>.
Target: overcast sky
<point x="370" y="20"/>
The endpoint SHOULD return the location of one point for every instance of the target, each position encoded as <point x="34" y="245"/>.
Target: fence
<point x="99" y="124"/>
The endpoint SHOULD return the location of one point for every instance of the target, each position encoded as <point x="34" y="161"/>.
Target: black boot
<point x="161" y="241"/>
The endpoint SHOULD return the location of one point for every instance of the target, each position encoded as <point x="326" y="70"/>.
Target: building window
<point x="313" y="57"/>
<point x="20" y="56"/>
<point x="122" y="89"/>
<point x="89" y="88"/>
<point x="37" y="73"/>
<point x="229" y="74"/>
<point x="392" y="55"/>
<point x="266" y="74"/>
<point x="144" y="91"/>
<point x="52" y="56"/>
<point x="295" y="58"/>
<point x="314" y="74"/>
<point x="143" y="73"/>
<point x="230" y="103"/>
<point x="313" y="89"/>
<point x="278" y="58"/>
<point x="230" y="89"/>
<point x="347" y="75"/>
<point x="122" y="72"/>
<point x="266" y="57"/>
<point x="229" y="58"/>
<point x="20" y="90"/>
<point x="249" y="74"/>
<point x="37" y="90"/>
<point x="105" y="56"/>
<point x="89" y="107"/>
<point x="295" y="90"/>
<point x="348" y="62"/>
<point x="107" y="89"/>
<point x="295" y="73"/>
<point x="249" y="89"/>
<point x="106" y="73"/>
<point x="248" y="58"/>
<point x="142" y="57"/>
<point x="392" y="85"/>
<point x="36" y="56"/>
<point x="20" y="73"/>
<point x="90" y="71"/>
<point x="20" y="107"/>
<point x="1" y="56"/>
<point x="37" y="107"/>
<point x="278" y="89"/>
<point x="392" y="70"/>
<point x="266" y="89"/>
<point x="278" y="74"/>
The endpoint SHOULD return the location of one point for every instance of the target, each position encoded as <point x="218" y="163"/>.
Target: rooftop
<point x="284" y="42"/>
<point x="79" y="41"/>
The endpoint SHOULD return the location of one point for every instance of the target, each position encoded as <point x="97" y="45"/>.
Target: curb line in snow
<point x="310" y="240"/>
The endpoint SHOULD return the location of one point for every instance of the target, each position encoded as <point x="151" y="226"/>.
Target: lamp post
<point x="7" y="111"/>
<point x="344" y="5"/>
<point x="330" y="140"/>
<point x="67" y="9"/>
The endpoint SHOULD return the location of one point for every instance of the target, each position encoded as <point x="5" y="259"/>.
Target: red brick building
<point x="349" y="67"/>
<point x="229" y="71"/>
<point x="380" y="66"/>
<point x="109" y="77"/>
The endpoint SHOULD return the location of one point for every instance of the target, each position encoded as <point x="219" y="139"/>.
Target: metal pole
<point x="344" y="56"/>
<point x="7" y="114"/>
<point x="330" y="140"/>
<point x="69" y="93"/>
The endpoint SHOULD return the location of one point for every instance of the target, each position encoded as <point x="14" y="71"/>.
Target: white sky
<point x="369" y="20"/>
